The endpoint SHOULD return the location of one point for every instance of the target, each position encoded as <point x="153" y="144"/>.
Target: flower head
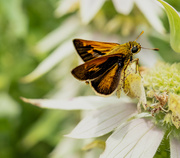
<point x="134" y="134"/>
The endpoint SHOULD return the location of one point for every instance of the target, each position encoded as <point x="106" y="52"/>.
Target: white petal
<point x="103" y="120"/>
<point x="66" y="6"/>
<point x="58" y="35"/>
<point x="123" y="6"/>
<point x="175" y="148"/>
<point x="61" y="52"/>
<point x="151" y="12"/>
<point x="62" y="90"/>
<point x="138" y="139"/>
<point x="83" y="103"/>
<point x="89" y="8"/>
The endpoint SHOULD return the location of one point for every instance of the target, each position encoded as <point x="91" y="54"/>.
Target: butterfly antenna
<point x="155" y="49"/>
<point x="139" y="35"/>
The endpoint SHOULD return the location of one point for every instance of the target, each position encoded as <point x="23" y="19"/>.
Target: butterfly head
<point x="134" y="47"/>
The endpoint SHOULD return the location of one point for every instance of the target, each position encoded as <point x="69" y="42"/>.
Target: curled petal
<point x="133" y="85"/>
<point x="83" y="103"/>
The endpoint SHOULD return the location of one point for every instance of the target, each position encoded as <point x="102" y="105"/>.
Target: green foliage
<point x="164" y="149"/>
<point x="174" y="21"/>
<point x="23" y="23"/>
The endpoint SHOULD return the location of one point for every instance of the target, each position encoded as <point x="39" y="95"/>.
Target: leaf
<point x="83" y="103"/>
<point x="174" y="21"/>
<point x="103" y="120"/>
<point x="174" y="148"/>
<point x="138" y="139"/>
<point x="89" y="8"/>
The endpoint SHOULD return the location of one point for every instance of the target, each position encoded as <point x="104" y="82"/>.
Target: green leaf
<point x="174" y="21"/>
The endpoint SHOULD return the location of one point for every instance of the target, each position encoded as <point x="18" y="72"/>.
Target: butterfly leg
<point x="125" y="72"/>
<point x="137" y="63"/>
<point x="122" y="80"/>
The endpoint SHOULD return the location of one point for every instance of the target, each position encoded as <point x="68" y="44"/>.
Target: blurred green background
<point x="31" y="132"/>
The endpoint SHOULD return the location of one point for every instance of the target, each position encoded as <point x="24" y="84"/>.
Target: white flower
<point x="89" y="8"/>
<point x="138" y="138"/>
<point x="133" y="136"/>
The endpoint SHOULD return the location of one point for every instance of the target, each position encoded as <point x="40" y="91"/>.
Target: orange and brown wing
<point x="92" y="69"/>
<point x="107" y="83"/>
<point x="92" y="49"/>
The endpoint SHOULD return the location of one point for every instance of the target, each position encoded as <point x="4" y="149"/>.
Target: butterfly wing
<point x="92" y="49"/>
<point x="92" y="69"/>
<point x="108" y="82"/>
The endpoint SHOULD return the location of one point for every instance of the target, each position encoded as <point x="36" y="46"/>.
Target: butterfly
<point x="104" y="63"/>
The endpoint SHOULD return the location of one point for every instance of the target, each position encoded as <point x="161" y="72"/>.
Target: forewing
<point x="107" y="83"/>
<point x="92" y="49"/>
<point x="96" y="67"/>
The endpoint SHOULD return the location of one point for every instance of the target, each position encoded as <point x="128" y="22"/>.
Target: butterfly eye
<point x="134" y="49"/>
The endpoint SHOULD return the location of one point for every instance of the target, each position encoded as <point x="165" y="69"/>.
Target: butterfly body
<point x="104" y="63"/>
